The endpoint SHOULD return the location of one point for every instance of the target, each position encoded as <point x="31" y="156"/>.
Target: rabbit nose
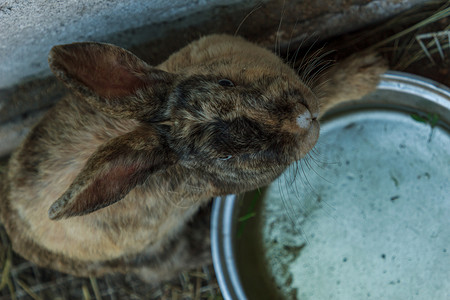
<point x="305" y="119"/>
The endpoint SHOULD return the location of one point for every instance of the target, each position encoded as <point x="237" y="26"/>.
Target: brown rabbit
<point x="110" y="178"/>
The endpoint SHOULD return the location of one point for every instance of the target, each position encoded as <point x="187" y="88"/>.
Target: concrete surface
<point x="30" y="28"/>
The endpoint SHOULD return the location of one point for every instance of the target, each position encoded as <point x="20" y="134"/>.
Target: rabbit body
<point x="109" y="180"/>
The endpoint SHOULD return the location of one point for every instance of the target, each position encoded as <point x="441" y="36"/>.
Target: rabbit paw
<point x="351" y="79"/>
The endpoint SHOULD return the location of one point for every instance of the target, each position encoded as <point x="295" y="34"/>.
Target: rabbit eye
<point x="226" y="157"/>
<point x="226" y="82"/>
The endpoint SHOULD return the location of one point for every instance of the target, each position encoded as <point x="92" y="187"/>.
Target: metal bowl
<point x="385" y="159"/>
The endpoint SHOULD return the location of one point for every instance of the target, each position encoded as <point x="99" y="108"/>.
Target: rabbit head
<point x="235" y="120"/>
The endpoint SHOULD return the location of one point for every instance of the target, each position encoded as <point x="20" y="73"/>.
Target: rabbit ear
<point x="109" y="77"/>
<point x="112" y="171"/>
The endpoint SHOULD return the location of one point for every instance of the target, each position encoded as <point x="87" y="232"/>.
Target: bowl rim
<point x="222" y="247"/>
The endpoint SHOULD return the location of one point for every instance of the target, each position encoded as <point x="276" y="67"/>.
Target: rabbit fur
<point x="112" y="176"/>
